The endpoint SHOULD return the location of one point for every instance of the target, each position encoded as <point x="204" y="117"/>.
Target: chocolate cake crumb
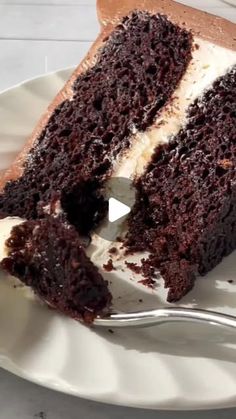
<point x="134" y="267"/>
<point x="148" y="282"/>
<point x="109" y="266"/>
<point x="111" y="331"/>
<point x="47" y="256"/>
<point x="230" y="281"/>
<point x="140" y="300"/>
<point x="113" y="251"/>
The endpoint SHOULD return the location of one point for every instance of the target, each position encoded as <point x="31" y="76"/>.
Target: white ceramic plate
<point x="166" y="367"/>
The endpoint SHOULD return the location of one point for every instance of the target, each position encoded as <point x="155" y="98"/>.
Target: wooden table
<point x="37" y="36"/>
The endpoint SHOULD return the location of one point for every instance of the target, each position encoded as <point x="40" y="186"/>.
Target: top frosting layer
<point x="212" y="28"/>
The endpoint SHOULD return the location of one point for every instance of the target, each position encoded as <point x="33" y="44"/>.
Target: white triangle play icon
<point x="117" y="210"/>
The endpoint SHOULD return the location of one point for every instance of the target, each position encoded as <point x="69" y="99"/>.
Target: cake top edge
<point x="205" y="25"/>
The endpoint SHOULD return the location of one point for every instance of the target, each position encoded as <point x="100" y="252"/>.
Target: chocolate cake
<point x="185" y="210"/>
<point x="85" y="134"/>
<point x="47" y="255"/>
<point x="153" y="101"/>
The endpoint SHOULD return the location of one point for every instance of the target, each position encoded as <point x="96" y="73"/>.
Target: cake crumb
<point x="148" y="282"/>
<point x="230" y="281"/>
<point x="111" y="331"/>
<point x="140" y="300"/>
<point x="113" y="251"/>
<point x="109" y="266"/>
<point x="134" y="267"/>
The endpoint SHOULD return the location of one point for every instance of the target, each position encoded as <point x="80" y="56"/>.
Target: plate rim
<point x="36" y="78"/>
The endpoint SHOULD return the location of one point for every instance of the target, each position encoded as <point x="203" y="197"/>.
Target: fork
<point x="165" y="315"/>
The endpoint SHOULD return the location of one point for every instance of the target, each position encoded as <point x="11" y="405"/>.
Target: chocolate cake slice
<point x="153" y="101"/>
<point x="75" y="151"/>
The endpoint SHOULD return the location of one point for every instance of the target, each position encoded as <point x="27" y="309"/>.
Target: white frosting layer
<point x="6" y="225"/>
<point x="209" y="62"/>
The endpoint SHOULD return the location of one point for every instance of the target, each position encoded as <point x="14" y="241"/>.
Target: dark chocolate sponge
<point x="137" y="71"/>
<point x="47" y="256"/>
<point x="185" y="210"/>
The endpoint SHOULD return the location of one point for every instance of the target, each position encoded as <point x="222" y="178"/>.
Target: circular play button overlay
<point x="120" y="195"/>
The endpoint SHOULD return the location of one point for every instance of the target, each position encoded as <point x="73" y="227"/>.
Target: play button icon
<point x="117" y="210"/>
<point x="120" y="195"/>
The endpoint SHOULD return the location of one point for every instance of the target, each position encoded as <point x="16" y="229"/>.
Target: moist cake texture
<point x="121" y="93"/>
<point x="155" y="102"/>
<point x="185" y="210"/>
<point x="47" y="255"/>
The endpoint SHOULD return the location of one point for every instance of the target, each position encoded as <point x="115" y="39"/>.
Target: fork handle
<point x="165" y="315"/>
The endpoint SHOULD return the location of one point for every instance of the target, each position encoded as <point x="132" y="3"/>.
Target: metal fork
<point x="165" y="315"/>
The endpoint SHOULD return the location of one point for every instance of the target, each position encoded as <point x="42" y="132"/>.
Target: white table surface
<point x="37" y="36"/>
